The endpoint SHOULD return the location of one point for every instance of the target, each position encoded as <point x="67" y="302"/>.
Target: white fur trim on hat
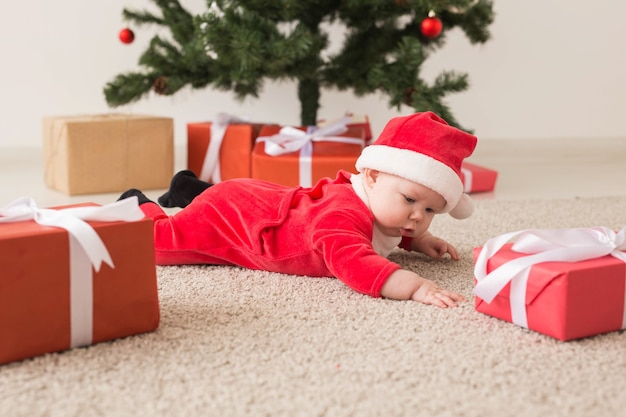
<point x="421" y="169"/>
<point x="464" y="208"/>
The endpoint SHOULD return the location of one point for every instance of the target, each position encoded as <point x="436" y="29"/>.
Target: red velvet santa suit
<point x="321" y="231"/>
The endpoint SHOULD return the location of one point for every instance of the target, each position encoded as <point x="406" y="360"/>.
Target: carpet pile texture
<point x="235" y="342"/>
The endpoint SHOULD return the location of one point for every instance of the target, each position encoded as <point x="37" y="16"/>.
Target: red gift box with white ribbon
<point x="477" y="178"/>
<point x="295" y="156"/>
<point x="74" y="276"/>
<point x="565" y="283"/>
<point x="221" y="149"/>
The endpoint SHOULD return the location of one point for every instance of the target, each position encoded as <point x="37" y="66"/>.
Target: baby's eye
<point x="429" y="210"/>
<point x="409" y="199"/>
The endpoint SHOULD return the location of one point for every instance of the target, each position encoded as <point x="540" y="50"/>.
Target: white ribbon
<point x="542" y="245"/>
<point x="86" y="250"/>
<point x="211" y="166"/>
<point x="468" y="179"/>
<point x="305" y="165"/>
<point x="290" y="139"/>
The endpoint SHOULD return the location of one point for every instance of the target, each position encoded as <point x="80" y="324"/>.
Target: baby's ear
<point x="370" y="176"/>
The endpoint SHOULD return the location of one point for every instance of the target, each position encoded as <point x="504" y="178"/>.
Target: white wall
<point x="553" y="69"/>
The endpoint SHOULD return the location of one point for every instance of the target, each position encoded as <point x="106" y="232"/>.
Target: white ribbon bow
<point x="290" y="139"/>
<point x="211" y="166"/>
<point x="541" y="245"/>
<point x="86" y="249"/>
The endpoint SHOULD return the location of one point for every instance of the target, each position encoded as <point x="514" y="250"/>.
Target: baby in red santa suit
<point x="343" y="227"/>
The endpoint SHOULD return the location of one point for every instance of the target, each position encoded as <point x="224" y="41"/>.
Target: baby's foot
<point x="141" y="197"/>
<point x="184" y="187"/>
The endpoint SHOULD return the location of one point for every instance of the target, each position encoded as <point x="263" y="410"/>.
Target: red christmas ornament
<point x="126" y="36"/>
<point x="431" y="26"/>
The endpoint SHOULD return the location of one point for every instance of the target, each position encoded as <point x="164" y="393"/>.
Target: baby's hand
<point x="407" y="285"/>
<point x="431" y="293"/>
<point x="435" y="247"/>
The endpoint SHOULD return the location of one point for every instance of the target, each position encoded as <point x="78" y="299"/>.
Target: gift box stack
<point x="74" y="276"/>
<point x="91" y="154"/>
<point x="564" y="283"/>
<point x="230" y="148"/>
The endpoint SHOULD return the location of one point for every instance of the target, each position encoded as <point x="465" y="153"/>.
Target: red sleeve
<point x="344" y="239"/>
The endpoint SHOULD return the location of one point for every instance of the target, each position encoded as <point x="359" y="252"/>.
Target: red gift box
<point x="358" y="121"/>
<point x="565" y="300"/>
<point x="477" y="178"/>
<point x="293" y="169"/>
<point x="234" y="152"/>
<point x="41" y="283"/>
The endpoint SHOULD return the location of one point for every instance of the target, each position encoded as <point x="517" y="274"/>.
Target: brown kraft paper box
<point x="90" y="154"/>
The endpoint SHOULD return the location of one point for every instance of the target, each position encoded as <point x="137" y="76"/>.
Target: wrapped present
<point x="292" y="157"/>
<point x="477" y="178"/>
<point x="74" y="276"/>
<point x="358" y="121"/>
<point x="107" y="153"/>
<point x="221" y="149"/>
<point x="565" y="283"/>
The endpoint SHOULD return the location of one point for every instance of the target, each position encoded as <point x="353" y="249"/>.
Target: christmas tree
<point x="237" y="44"/>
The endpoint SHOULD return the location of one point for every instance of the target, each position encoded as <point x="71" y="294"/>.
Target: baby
<point x="343" y="227"/>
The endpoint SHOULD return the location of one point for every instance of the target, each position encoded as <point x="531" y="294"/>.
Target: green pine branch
<point x="238" y="44"/>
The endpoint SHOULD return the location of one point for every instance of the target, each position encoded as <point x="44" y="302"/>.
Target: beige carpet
<point x="236" y="342"/>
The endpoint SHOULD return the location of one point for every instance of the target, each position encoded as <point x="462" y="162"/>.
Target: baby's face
<point x="402" y="207"/>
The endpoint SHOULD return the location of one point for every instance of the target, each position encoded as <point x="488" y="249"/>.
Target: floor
<point x="526" y="169"/>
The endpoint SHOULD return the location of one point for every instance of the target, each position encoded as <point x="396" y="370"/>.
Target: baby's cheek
<point x="422" y="228"/>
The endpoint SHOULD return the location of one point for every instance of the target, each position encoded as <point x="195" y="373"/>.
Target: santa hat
<point x="425" y="149"/>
